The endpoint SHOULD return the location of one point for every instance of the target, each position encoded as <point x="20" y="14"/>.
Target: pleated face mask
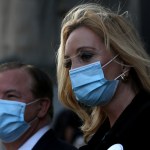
<point x="12" y="123"/>
<point x="90" y="86"/>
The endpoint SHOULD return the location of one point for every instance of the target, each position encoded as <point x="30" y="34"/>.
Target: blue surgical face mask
<point x="12" y="123"/>
<point x="90" y="86"/>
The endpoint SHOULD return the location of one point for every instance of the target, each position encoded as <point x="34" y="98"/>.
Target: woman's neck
<point x="123" y="97"/>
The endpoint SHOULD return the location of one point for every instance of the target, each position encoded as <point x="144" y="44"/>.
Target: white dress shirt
<point x="29" y="144"/>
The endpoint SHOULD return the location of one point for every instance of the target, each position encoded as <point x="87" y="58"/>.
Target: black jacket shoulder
<point x="50" y="142"/>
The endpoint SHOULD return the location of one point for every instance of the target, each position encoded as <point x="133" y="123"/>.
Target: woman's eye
<point x="86" y="56"/>
<point x="12" y="96"/>
<point x="67" y="63"/>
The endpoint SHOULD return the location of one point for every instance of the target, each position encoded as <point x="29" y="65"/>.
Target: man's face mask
<point x="12" y="123"/>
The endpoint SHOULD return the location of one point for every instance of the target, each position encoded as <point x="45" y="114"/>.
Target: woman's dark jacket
<point x="131" y="130"/>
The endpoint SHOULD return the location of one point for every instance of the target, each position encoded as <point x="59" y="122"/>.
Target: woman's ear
<point x="126" y="69"/>
<point x="125" y="73"/>
<point x="45" y="104"/>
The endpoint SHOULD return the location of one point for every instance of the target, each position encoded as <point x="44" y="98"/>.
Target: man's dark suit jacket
<point x="50" y="142"/>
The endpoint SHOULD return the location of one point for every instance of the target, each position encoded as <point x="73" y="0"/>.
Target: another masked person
<point x="26" y="109"/>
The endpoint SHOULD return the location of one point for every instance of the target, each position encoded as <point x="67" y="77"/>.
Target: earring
<point x="124" y="77"/>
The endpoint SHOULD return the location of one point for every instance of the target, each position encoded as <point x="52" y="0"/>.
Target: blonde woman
<point x="104" y="76"/>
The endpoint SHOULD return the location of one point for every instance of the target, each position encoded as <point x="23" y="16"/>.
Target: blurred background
<point x="30" y="29"/>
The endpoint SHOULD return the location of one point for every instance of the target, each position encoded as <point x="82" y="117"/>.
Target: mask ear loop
<point x="35" y="118"/>
<point x="32" y="120"/>
<point x="110" y="60"/>
<point x="123" y="76"/>
<point x="34" y="101"/>
<point x="73" y="56"/>
<point x="66" y="60"/>
<point x="123" y="64"/>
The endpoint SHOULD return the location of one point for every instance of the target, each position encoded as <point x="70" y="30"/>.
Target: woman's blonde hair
<point x="117" y="34"/>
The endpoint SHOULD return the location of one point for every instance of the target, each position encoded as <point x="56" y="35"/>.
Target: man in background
<point x="26" y="109"/>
